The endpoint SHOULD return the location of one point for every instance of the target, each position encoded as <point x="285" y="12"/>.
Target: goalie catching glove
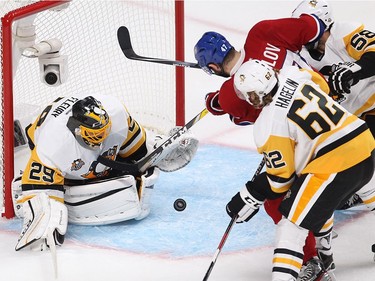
<point x="45" y="222"/>
<point x="180" y="152"/>
<point x="244" y="204"/>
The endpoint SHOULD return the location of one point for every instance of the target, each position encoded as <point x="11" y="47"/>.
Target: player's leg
<point x="367" y="194"/>
<point x="310" y="204"/>
<point x="288" y="254"/>
<point x="272" y="209"/>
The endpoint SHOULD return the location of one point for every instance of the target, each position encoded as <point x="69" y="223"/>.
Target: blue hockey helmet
<point x="211" y="48"/>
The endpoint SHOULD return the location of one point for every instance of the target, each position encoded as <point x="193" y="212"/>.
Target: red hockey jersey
<point x="276" y="42"/>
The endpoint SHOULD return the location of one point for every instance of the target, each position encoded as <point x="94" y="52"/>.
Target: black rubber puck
<point x="373" y="248"/>
<point x="179" y="204"/>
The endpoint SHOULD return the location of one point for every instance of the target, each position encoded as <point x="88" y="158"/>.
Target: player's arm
<point x="279" y="155"/>
<point x="135" y="146"/>
<point x="140" y="144"/>
<point x="246" y="203"/>
<point x="279" y="176"/>
<point x="240" y="112"/>
<point x="213" y="106"/>
<point x="289" y="33"/>
<point x="212" y="103"/>
<point x="361" y="47"/>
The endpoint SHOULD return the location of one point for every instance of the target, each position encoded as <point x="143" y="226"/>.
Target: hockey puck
<point x="179" y="205"/>
<point x="373" y="248"/>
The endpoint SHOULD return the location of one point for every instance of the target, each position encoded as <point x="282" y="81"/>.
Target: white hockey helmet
<point x="253" y="81"/>
<point x="320" y="8"/>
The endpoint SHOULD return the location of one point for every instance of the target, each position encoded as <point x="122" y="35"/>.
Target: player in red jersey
<point x="277" y="43"/>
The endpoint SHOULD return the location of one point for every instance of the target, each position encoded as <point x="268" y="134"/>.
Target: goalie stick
<point x="229" y="228"/>
<point x="123" y="37"/>
<point x="156" y="155"/>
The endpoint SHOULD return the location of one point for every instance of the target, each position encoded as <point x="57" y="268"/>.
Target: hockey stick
<point x="229" y="228"/>
<point x="155" y="155"/>
<point x="123" y="37"/>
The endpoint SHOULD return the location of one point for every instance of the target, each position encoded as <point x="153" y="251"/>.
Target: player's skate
<point x="353" y="201"/>
<point x="314" y="271"/>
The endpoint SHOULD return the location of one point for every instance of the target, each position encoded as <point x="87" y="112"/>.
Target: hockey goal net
<point x="87" y="30"/>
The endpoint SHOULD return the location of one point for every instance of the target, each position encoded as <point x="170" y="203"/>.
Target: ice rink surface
<point x="171" y="245"/>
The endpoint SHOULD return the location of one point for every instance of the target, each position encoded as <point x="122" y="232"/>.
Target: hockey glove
<point x="179" y="153"/>
<point x="244" y="205"/>
<point x="45" y="222"/>
<point x="212" y="103"/>
<point x="342" y="77"/>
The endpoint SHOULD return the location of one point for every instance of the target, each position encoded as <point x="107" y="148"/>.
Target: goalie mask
<point x="319" y="8"/>
<point x="254" y="81"/>
<point x="89" y="122"/>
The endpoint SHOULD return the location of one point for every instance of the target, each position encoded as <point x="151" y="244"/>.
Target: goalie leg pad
<point x="43" y="217"/>
<point x="16" y="197"/>
<point x="103" y="202"/>
<point x="145" y="190"/>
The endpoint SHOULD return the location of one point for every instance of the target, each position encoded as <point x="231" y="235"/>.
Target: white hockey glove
<point x="244" y="205"/>
<point x="343" y="77"/>
<point x="45" y="222"/>
<point x="181" y="152"/>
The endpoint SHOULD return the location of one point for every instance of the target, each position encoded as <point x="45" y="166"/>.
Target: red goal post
<point x="153" y="93"/>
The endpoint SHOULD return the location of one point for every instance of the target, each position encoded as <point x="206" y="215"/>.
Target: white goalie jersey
<point x="68" y="167"/>
<point x="304" y="131"/>
<point x="57" y="155"/>
<point x="347" y="43"/>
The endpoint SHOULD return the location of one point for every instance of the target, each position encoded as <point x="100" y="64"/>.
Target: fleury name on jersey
<point x="65" y="179"/>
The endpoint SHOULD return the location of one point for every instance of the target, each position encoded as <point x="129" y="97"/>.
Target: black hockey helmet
<point x="89" y="121"/>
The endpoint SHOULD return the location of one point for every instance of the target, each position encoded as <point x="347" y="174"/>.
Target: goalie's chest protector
<point x="57" y="147"/>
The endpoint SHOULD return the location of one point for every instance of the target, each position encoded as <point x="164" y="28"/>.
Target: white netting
<point x="88" y="32"/>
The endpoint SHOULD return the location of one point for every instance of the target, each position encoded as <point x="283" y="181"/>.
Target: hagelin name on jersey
<point x="286" y="94"/>
<point x="64" y="106"/>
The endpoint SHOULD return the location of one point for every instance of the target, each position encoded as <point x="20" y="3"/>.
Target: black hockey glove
<point x="342" y="77"/>
<point x="244" y="204"/>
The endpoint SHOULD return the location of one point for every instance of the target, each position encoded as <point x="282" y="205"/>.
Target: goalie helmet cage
<point x="153" y="93"/>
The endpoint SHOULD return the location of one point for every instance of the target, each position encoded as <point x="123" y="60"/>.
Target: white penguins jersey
<point x="57" y="155"/>
<point x="304" y="131"/>
<point x="347" y="43"/>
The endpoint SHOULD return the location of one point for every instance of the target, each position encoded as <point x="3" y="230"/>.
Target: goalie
<point x="64" y="179"/>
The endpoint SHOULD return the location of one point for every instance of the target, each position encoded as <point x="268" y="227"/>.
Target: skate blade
<point x="328" y="276"/>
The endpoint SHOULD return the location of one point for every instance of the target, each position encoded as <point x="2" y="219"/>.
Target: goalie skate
<point x="314" y="271"/>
